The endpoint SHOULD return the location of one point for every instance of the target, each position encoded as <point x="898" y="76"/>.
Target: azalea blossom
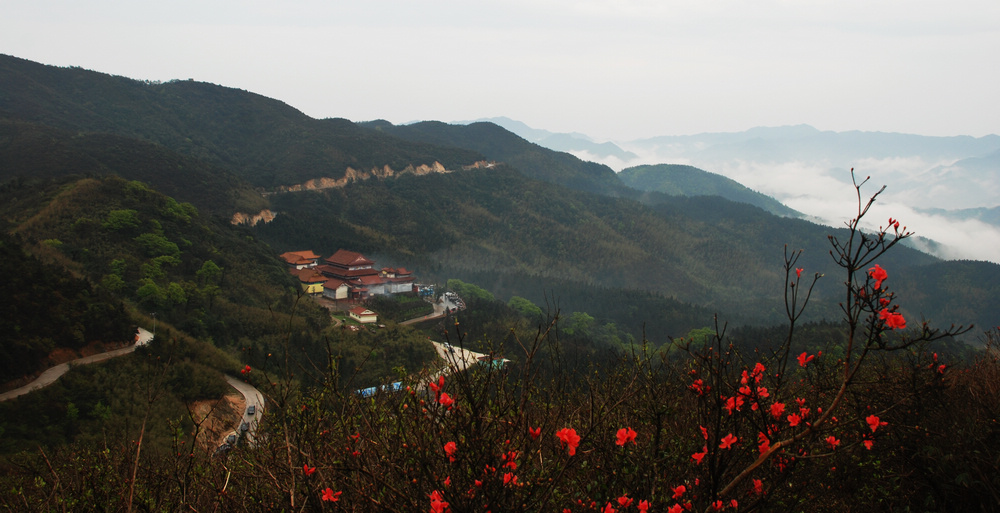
<point x="446" y="399"/>
<point x="246" y="370"/>
<point x="438" y="504"/>
<point x="308" y="470"/>
<point x="794" y="419"/>
<point x="676" y="508"/>
<point x="625" y="435"/>
<point x="679" y="491"/>
<point x="624" y="501"/>
<point x="878" y="274"/>
<point x="698" y="456"/>
<point x="893" y="320"/>
<point x="535" y="432"/>
<point x="758" y="487"/>
<point x="436" y="387"/>
<point x="832" y="441"/>
<point x="874" y="422"/>
<point x="777" y="409"/>
<point x="643" y="506"/>
<point x="608" y="508"/>
<point x="509" y="479"/>
<point x="450" y="448"/>
<point x="868" y="444"/>
<point x="330" y="496"/>
<point x="569" y="437"/>
<point x="805" y="358"/>
<point x="798" y="272"/>
<point x="727" y="441"/>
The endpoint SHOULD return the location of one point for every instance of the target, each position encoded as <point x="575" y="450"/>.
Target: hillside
<point x="263" y="141"/>
<point x="680" y="180"/>
<point x="497" y="143"/>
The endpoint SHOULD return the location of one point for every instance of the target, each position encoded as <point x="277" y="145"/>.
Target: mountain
<point x="532" y="219"/>
<point x="803" y="142"/>
<point x="679" y="180"/>
<point x="574" y="143"/>
<point x="264" y="141"/>
<point x="497" y="143"/>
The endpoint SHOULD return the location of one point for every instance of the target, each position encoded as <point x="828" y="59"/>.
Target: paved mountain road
<point x="50" y="375"/>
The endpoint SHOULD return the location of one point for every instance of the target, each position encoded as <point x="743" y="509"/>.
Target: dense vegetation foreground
<point x="871" y="415"/>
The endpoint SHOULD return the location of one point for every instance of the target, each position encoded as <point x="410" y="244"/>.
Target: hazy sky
<point x="613" y="69"/>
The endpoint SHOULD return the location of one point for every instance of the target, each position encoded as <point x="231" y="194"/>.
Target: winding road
<point x="50" y="375"/>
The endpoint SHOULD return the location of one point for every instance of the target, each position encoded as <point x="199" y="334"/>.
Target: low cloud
<point x="825" y="193"/>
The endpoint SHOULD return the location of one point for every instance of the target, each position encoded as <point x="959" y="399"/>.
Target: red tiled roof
<point x="299" y="257"/>
<point x="311" y="276"/>
<point x="348" y="259"/>
<point x="369" y="280"/>
<point x="360" y="310"/>
<point x="333" y="284"/>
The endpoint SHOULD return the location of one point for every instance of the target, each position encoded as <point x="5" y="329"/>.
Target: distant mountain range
<point x="572" y="142"/>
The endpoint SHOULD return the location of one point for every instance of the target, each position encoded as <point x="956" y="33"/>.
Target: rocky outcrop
<point x="265" y="216"/>
<point x="352" y="175"/>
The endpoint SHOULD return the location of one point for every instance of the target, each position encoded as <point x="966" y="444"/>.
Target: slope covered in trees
<point x="680" y="180"/>
<point x="264" y="141"/>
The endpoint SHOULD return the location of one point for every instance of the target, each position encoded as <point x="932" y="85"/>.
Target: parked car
<point x="252" y="409"/>
<point x="231" y="439"/>
<point x="244" y="427"/>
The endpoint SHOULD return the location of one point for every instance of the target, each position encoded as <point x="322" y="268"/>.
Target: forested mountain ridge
<point x="497" y="143"/>
<point x="682" y="180"/>
<point x="264" y="141"/>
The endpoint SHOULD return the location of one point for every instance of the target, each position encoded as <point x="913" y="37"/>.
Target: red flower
<point x="832" y="441"/>
<point x="625" y="435"/>
<point x="436" y="387"/>
<point x="718" y="506"/>
<point x="624" y="501"/>
<point x="447" y="481"/>
<point x="330" y="496"/>
<point x="798" y="272"/>
<point x="698" y="456"/>
<point x="450" y="448"/>
<point x="793" y="419"/>
<point x="704" y="432"/>
<point x="569" y="437"/>
<point x="758" y="487"/>
<point x="509" y="479"/>
<point x="868" y="444"/>
<point x="727" y="441"/>
<point x="446" y="399"/>
<point x="535" y="432"/>
<point x="438" y="505"/>
<point x="679" y="491"/>
<point x="608" y="508"/>
<point x="804" y="359"/>
<point x="874" y="422"/>
<point x="764" y="442"/>
<point x="246" y="370"/>
<point x="643" y="506"/>
<point x="676" y="508"/>
<point x="878" y="274"/>
<point x="308" y="470"/>
<point x="697" y="386"/>
<point x="777" y="409"/>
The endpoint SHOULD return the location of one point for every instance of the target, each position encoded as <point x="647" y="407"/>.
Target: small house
<point x="363" y="315"/>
